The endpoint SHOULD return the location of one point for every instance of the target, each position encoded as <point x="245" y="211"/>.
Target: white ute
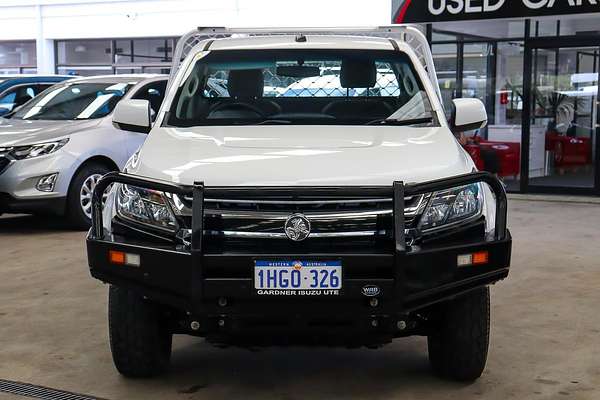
<point x="301" y="187"/>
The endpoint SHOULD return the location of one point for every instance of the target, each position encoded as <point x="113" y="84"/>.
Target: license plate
<point x="297" y="278"/>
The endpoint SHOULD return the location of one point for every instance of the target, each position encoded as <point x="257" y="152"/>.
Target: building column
<point x="44" y="47"/>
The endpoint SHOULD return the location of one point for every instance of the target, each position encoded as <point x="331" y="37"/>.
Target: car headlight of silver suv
<point x="453" y="206"/>
<point x="144" y="206"/>
<point x="36" y="150"/>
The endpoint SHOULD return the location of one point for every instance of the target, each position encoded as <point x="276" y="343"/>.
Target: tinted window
<point x="17" y="96"/>
<point x="153" y="92"/>
<point x="75" y="101"/>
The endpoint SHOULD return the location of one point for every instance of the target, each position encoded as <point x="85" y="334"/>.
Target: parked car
<point x="16" y="90"/>
<point x="253" y="219"/>
<point x="54" y="148"/>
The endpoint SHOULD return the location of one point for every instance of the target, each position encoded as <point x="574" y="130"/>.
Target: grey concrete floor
<point x="545" y="340"/>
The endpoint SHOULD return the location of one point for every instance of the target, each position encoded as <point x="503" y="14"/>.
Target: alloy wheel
<point x="86" y="192"/>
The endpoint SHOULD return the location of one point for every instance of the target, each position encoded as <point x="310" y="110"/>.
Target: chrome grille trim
<point x="276" y="235"/>
<point x="296" y="202"/>
<point x="409" y="211"/>
<point x="263" y="218"/>
<point x="282" y="216"/>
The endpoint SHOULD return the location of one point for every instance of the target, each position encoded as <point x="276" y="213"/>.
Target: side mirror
<point x="133" y="115"/>
<point x="468" y="114"/>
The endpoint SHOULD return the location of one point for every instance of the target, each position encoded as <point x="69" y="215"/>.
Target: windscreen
<point x="340" y="87"/>
<point x="74" y="101"/>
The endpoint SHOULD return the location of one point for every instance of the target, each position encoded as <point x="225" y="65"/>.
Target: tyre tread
<point x="459" y="341"/>
<point x="140" y="344"/>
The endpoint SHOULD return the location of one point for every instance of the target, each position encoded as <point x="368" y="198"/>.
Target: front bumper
<point x="41" y="204"/>
<point x="19" y="178"/>
<point x="409" y="278"/>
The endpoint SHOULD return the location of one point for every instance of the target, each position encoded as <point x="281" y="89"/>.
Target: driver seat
<point x="245" y="87"/>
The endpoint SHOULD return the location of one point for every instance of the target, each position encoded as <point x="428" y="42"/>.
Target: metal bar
<point x="495" y="185"/>
<point x="216" y="192"/>
<point x="399" y="234"/>
<point x="137" y="181"/>
<point x="529" y="71"/>
<point x="196" y="245"/>
<point x="409" y="34"/>
<point x="197" y="217"/>
<point x="399" y="191"/>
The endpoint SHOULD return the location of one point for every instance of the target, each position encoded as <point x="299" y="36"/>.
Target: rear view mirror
<point x="298" y="71"/>
<point x="133" y="115"/>
<point x="468" y="114"/>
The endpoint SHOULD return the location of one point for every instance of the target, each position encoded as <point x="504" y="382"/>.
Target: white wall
<point x="47" y="20"/>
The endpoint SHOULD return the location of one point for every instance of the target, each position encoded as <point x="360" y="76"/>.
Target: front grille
<point x="3" y="164"/>
<point x="349" y="221"/>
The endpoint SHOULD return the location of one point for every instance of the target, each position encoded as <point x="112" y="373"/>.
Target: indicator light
<point x="481" y="257"/>
<point x="122" y="258"/>
<point x="477" y="258"/>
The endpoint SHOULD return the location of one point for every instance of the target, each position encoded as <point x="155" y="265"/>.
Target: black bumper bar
<point x="419" y="277"/>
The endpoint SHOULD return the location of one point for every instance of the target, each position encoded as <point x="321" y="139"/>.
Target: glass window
<point x="123" y="52"/>
<point x="19" y="95"/>
<point x="122" y="56"/>
<point x="563" y="117"/>
<point x="444" y="58"/>
<point x="545" y="27"/>
<point x="153" y="92"/>
<point x="75" y="101"/>
<point x="475" y="70"/>
<point x="480" y="30"/>
<point x="140" y="51"/>
<point x="302" y="87"/>
<point x="73" y="52"/>
<point x="18" y="54"/>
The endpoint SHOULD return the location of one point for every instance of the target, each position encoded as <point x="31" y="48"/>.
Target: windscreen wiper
<point x="402" y="122"/>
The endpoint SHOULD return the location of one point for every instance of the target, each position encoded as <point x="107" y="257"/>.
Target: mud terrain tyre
<point x="140" y="341"/>
<point x="459" y="337"/>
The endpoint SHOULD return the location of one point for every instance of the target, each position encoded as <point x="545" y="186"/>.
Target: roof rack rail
<point x="405" y="33"/>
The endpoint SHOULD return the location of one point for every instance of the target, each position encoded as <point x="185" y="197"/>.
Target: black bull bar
<point x="193" y="297"/>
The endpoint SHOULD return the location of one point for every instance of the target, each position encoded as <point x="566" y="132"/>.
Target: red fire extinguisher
<point x="504" y="97"/>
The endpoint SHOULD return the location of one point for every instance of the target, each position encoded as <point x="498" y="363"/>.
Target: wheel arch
<point x="97" y="159"/>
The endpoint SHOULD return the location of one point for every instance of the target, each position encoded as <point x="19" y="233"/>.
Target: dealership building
<point x="534" y="63"/>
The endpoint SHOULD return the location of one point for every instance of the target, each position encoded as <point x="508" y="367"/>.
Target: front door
<point x="561" y="133"/>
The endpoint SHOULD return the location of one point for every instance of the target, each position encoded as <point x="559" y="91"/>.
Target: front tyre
<point x="140" y="340"/>
<point x="79" y="200"/>
<point x="459" y="337"/>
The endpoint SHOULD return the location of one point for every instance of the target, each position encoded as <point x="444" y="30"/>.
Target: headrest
<point x="246" y="83"/>
<point x="358" y="73"/>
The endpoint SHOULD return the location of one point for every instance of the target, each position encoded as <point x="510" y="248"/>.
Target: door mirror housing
<point x="468" y="114"/>
<point x="133" y="115"/>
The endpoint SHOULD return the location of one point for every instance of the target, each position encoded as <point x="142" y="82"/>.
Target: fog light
<point x="46" y="183"/>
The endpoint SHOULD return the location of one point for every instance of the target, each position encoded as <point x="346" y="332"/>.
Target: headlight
<point x="453" y="206"/>
<point x="148" y="207"/>
<point x="36" y="150"/>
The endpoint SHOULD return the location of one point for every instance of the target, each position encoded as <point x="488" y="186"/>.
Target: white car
<point x="55" y="147"/>
<point x="349" y="218"/>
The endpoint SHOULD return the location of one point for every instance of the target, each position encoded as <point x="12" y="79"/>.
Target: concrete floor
<point x="545" y="328"/>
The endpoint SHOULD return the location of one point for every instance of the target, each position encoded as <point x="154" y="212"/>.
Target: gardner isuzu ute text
<point x="300" y="187"/>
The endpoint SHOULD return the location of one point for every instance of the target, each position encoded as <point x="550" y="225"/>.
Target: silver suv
<point x="54" y="148"/>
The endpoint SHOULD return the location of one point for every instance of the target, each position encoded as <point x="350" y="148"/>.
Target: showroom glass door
<point x="561" y="116"/>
